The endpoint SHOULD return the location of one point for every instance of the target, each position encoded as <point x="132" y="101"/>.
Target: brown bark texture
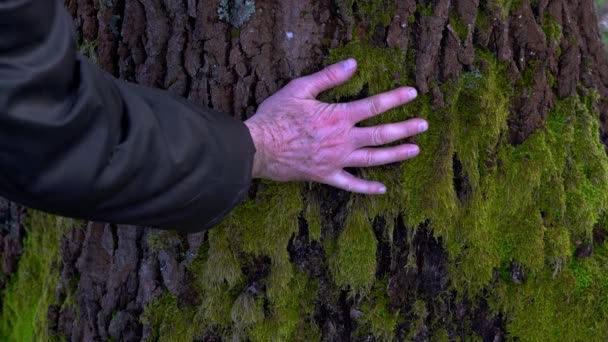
<point x="230" y="57"/>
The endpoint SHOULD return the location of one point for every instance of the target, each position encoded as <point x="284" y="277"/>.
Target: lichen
<point x="89" y="50"/>
<point x="236" y="12"/>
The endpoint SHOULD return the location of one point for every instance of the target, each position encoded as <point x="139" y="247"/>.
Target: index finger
<point x="369" y="107"/>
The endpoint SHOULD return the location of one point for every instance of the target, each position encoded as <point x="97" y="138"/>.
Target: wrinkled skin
<point x="298" y="138"/>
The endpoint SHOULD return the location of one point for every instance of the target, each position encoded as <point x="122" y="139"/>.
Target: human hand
<point x="298" y="138"/>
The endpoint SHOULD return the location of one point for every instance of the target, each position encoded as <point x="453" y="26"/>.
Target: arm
<point x="76" y="142"/>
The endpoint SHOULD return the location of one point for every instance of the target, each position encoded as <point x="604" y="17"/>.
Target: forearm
<point x="77" y="142"/>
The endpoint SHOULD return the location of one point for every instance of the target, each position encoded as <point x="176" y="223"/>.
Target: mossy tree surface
<point x="497" y="230"/>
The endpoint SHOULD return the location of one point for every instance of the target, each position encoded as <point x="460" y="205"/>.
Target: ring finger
<point x="388" y="133"/>
<point x="365" y="157"/>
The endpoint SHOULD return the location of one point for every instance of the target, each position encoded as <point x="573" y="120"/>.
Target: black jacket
<point x="77" y="142"/>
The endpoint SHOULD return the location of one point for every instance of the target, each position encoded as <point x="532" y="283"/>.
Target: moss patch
<point x="526" y="205"/>
<point x="26" y="299"/>
<point x="170" y="322"/>
<point x="353" y="259"/>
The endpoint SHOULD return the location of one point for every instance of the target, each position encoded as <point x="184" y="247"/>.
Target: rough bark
<point x="224" y="56"/>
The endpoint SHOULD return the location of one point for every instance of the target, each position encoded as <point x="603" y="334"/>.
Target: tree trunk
<point x="497" y="230"/>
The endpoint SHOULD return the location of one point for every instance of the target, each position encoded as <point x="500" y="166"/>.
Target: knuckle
<point x="369" y="158"/>
<point x="377" y="136"/>
<point x="374" y="106"/>
<point x="330" y="75"/>
<point x="410" y="130"/>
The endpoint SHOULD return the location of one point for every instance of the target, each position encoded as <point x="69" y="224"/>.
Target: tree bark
<point x="449" y="262"/>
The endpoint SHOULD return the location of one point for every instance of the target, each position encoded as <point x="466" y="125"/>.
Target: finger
<point x="388" y="133"/>
<point x="348" y="182"/>
<point x="366" y="157"/>
<point x="377" y="104"/>
<point x="332" y="76"/>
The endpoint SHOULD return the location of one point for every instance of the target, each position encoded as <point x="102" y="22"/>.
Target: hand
<point x="298" y="138"/>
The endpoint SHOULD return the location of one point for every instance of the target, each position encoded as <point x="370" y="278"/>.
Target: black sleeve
<point x="77" y="142"/>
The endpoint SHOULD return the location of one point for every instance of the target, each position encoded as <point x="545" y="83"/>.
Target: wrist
<point x="257" y="135"/>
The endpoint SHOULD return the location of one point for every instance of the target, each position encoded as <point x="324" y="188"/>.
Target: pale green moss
<point x="246" y="312"/>
<point x="26" y="299"/>
<point x="353" y="265"/>
<point x="313" y="219"/>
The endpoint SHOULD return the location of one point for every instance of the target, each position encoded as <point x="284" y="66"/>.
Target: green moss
<point x="219" y="278"/>
<point x="168" y="320"/>
<point x="569" y="306"/>
<point x="552" y="29"/>
<point x="524" y="204"/>
<point x="260" y="227"/>
<point x="527" y="205"/>
<point x="26" y="299"/>
<point x="418" y="316"/>
<point x="353" y="265"/>
<point x="532" y="68"/>
<point x="292" y="318"/>
<point x="379" y="69"/>
<point x="440" y="335"/>
<point x="246" y="312"/>
<point x="89" y="50"/>
<point x="508" y="6"/>
<point x="461" y="29"/>
<point x="425" y="10"/>
<point x="235" y="33"/>
<point x="377" y="317"/>
<point x="163" y="239"/>
<point x="379" y="12"/>
<point x="313" y="218"/>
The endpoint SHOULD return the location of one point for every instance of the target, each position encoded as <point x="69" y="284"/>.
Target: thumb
<point x="332" y="76"/>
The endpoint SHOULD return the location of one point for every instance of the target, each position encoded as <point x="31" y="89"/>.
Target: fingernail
<point x="423" y="126"/>
<point x="382" y="190"/>
<point x="349" y="64"/>
<point x="413" y="152"/>
<point x="412" y="93"/>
